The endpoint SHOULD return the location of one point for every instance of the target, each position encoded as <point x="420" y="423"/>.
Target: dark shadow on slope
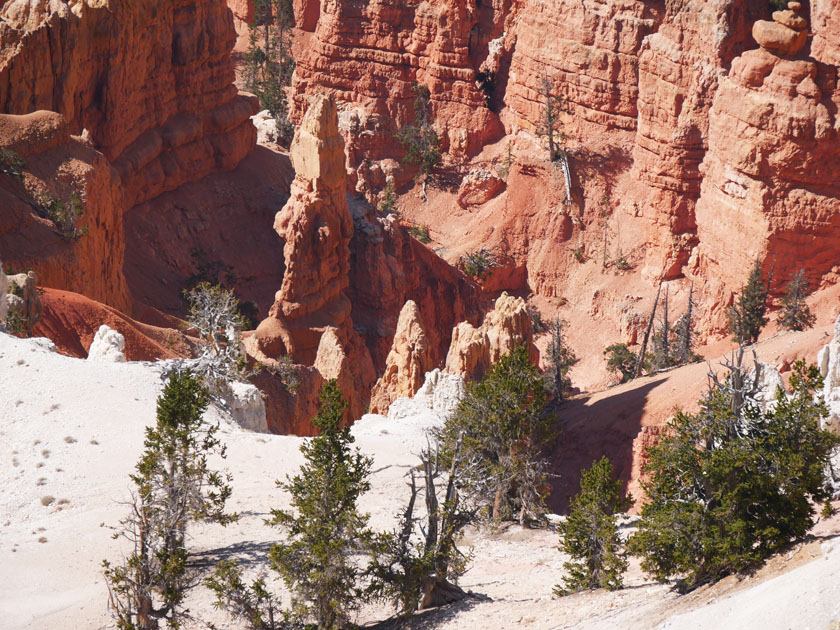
<point x="590" y="431"/>
<point x="427" y="619"/>
<point x="247" y="554"/>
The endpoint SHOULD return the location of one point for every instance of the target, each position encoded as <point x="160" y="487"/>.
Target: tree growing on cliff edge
<point x="325" y="528"/>
<point x="173" y="486"/>
<point x="620" y="360"/>
<point x="559" y="360"/>
<point x="419" y="139"/>
<point x="590" y="533"/>
<point x="747" y="315"/>
<point x="796" y="315"/>
<point x="269" y="64"/>
<point x="503" y="431"/>
<point x="549" y="126"/>
<point x="732" y="484"/>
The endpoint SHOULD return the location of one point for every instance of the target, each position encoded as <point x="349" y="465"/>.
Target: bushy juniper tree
<point x="559" y="360"/>
<point x="590" y="533"/>
<point x="747" y="315"/>
<point x="503" y="431"/>
<point x="325" y="528"/>
<point x="796" y="315"/>
<point x="173" y="487"/>
<point x="620" y="360"/>
<point x="732" y="484"/>
<point x="419" y="563"/>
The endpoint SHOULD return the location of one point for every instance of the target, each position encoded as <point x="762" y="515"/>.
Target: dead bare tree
<point x="641" y="358"/>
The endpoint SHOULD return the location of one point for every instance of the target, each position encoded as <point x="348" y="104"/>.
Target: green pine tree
<point x="590" y="533"/>
<point x="174" y="486"/>
<point x="731" y="485"/>
<point x="621" y="360"/>
<point x="559" y="359"/>
<point x="796" y="315"/>
<point x="504" y="430"/>
<point x="325" y="529"/>
<point x="747" y="316"/>
<point x="419" y="139"/>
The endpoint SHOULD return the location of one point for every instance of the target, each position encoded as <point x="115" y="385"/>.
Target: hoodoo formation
<point x="418" y="220"/>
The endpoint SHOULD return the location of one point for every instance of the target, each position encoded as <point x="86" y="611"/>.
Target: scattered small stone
<point x="41" y="481"/>
<point x="47" y="500"/>
<point x="94" y="442"/>
<point x="45" y="453"/>
<point x="36" y="442"/>
<point x="15" y="462"/>
<point x="70" y="439"/>
<point x="63" y="501"/>
<point x="39" y="465"/>
<point x="42" y="539"/>
<point x="21" y="362"/>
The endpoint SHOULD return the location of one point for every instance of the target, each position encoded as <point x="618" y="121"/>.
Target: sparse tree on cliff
<point x="503" y="431"/>
<point x="747" y="316"/>
<point x="796" y="315"/>
<point x="325" y="528"/>
<point x="174" y="486"/>
<point x="269" y="64"/>
<point x="684" y="333"/>
<point x="420" y="140"/>
<point x="621" y="360"/>
<point x="559" y="359"/>
<point x="732" y="484"/>
<point x="549" y="127"/>
<point x="590" y="533"/>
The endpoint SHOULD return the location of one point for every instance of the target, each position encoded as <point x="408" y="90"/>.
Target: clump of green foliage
<point x="734" y="483"/>
<point x="173" y="487"/>
<point x="420" y="140"/>
<point x="504" y="430"/>
<point x="421" y="233"/>
<point x="621" y="360"/>
<point x="478" y="264"/>
<point x="537" y="322"/>
<point x="11" y="163"/>
<point x="325" y="528"/>
<point x="796" y="315"/>
<point x="590" y="533"/>
<point x="388" y="200"/>
<point x="65" y="214"/>
<point x="269" y="64"/>
<point x="747" y="315"/>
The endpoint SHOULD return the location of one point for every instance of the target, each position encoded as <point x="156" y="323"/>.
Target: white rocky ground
<point x="71" y="431"/>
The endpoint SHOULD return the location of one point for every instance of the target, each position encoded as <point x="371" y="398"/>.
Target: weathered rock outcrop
<point x="151" y="82"/>
<point x="368" y="54"/>
<point x="107" y="345"/>
<point x="770" y="187"/>
<point x="60" y="165"/>
<point x="407" y="363"/>
<point x="786" y="34"/>
<point x="828" y="360"/>
<point x="474" y="350"/>
<point x="310" y="319"/>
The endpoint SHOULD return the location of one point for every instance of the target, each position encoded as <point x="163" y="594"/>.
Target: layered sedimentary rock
<point x="588" y="52"/>
<point x="407" y="363"/>
<point x="474" y="350"/>
<point x="60" y="165"/>
<point x="368" y="54"/>
<point x="770" y="187"/>
<point x="151" y="82"/>
<point x="679" y="69"/>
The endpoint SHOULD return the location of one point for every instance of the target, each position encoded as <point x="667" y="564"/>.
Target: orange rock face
<point x="770" y="187"/>
<point x="474" y="350"/>
<point x="151" y="82"/>
<point x="61" y="165"/>
<point x="407" y="363"/>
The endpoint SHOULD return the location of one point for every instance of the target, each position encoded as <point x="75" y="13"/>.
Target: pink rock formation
<point x="310" y="319"/>
<point x="770" y="186"/>
<point x="478" y="186"/>
<point x="156" y="94"/>
<point x="407" y="363"/>
<point x="474" y="350"/>
<point x="785" y="35"/>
